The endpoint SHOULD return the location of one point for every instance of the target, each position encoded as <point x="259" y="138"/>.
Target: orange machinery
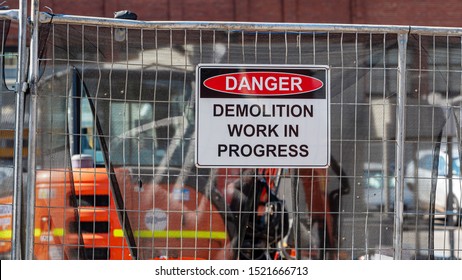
<point x="76" y="218"/>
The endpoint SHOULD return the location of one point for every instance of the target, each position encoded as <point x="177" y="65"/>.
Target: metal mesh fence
<point x="115" y="172"/>
<point x="433" y="145"/>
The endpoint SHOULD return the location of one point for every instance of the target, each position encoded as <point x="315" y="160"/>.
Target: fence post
<point x="21" y="87"/>
<point x="400" y="138"/>
<point x="33" y="77"/>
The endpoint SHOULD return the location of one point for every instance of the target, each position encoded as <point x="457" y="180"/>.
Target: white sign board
<point x="262" y="116"/>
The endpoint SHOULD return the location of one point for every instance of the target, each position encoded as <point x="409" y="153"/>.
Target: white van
<point x="447" y="203"/>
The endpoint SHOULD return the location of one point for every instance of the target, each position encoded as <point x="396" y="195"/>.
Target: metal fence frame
<point x="401" y="31"/>
<point x="21" y="86"/>
<point x="24" y="250"/>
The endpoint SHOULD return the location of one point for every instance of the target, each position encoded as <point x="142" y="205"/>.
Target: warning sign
<point x="262" y="116"/>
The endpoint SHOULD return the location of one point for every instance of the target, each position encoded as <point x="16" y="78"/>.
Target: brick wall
<point x="409" y="12"/>
<point x="423" y="12"/>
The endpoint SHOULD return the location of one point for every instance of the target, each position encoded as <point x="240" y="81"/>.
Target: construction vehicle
<point x="130" y="195"/>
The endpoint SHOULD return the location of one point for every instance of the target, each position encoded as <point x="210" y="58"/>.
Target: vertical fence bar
<point x="400" y="137"/>
<point x="20" y="89"/>
<point x="33" y="77"/>
<point x="295" y="181"/>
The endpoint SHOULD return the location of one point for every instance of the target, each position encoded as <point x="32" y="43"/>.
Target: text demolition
<point x="263" y="110"/>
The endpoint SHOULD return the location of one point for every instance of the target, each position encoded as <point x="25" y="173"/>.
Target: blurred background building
<point x="410" y="12"/>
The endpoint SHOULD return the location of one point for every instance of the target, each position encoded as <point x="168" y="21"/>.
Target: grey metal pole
<point x="400" y="137"/>
<point x="33" y="77"/>
<point x="295" y="181"/>
<point x="21" y="87"/>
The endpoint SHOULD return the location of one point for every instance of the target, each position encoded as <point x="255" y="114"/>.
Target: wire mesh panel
<point x="433" y="145"/>
<point x="116" y="177"/>
<point x="119" y="117"/>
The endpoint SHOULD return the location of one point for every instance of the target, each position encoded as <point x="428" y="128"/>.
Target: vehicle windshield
<point x="148" y="127"/>
<point x="426" y="163"/>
